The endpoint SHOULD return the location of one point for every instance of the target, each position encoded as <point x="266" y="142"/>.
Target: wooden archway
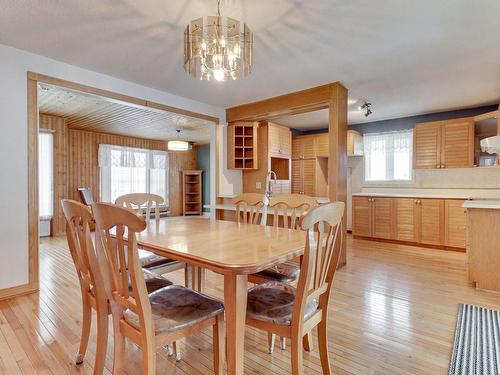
<point x="332" y="96"/>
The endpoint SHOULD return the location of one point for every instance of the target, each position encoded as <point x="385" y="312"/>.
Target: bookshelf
<point x="191" y="192"/>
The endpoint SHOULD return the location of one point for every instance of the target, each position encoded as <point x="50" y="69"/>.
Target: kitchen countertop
<point x="414" y="195"/>
<point x="483" y="203"/>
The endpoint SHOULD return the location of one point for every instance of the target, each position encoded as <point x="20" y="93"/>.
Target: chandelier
<point x="218" y="48"/>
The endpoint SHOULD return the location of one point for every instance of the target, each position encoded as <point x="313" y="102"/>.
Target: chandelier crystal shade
<point x="218" y="48"/>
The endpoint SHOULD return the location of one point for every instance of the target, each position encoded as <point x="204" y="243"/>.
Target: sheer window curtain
<point x="388" y="156"/>
<point x="46" y="175"/>
<point x="126" y="170"/>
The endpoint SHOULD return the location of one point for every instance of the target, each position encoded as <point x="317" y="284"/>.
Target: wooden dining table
<point x="231" y="249"/>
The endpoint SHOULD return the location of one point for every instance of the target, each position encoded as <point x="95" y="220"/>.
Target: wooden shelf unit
<point x="242" y="145"/>
<point x="192" y="192"/>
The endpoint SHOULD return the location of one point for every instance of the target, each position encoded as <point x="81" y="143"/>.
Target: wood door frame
<point x="332" y="96"/>
<point x="33" y="127"/>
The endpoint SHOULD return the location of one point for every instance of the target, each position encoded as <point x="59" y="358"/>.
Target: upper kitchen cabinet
<point x="303" y="147"/>
<point x="242" y="146"/>
<point x="280" y="140"/>
<point x="354" y="143"/>
<point x="444" y="144"/>
<point x="310" y="146"/>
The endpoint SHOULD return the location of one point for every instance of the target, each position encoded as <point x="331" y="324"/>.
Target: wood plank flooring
<point x="393" y="311"/>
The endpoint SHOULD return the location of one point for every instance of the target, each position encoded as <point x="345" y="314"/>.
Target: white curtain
<point x="45" y="175"/>
<point x="388" y="156"/>
<point x="132" y="170"/>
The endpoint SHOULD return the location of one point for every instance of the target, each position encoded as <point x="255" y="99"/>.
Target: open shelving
<point x="191" y="192"/>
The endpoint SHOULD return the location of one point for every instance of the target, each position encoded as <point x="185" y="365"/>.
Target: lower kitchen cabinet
<point x="433" y="222"/>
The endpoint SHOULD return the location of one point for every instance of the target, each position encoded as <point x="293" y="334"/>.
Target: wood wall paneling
<point x="76" y="164"/>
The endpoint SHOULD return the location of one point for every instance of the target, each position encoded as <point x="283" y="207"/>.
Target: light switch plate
<point x="258" y="185"/>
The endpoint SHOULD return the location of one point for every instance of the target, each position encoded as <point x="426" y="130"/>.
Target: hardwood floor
<point x="393" y="311"/>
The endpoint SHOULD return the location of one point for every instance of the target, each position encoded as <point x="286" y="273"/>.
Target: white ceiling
<point x="405" y="56"/>
<point x="94" y="113"/>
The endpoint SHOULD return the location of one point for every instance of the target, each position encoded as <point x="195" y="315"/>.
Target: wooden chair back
<point x="141" y="202"/>
<point x="127" y="285"/>
<point x="78" y="221"/>
<point x="321" y="255"/>
<point x="249" y="207"/>
<point x="289" y="208"/>
<point x="86" y="196"/>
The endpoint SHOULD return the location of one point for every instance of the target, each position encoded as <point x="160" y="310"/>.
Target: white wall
<point x="14" y="65"/>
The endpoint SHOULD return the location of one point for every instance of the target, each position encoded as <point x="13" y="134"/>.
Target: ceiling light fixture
<point x="367" y="107"/>
<point x="178" y="145"/>
<point x="218" y="48"/>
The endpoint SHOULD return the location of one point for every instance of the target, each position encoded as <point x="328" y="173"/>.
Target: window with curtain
<point x="389" y="156"/>
<point x="45" y="175"/>
<point x="125" y="170"/>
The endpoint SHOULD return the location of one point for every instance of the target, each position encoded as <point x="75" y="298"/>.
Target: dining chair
<point x="86" y="195"/>
<point x="293" y="312"/>
<point x="143" y="203"/>
<point x="159" y="318"/>
<point x="286" y="209"/>
<point x="249" y="208"/>
<point x="92" y="280"/>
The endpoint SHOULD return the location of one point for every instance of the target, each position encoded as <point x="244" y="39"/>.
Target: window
<point x="388" y="156"/>
<point x="125" y="170"/>
<point x="45" y="175"/>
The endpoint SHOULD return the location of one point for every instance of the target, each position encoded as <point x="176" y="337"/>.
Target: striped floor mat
<point x="476" y="350"/>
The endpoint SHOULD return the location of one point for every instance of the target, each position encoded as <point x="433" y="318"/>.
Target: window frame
<point x="105" y="181"/>
<point x="410" y="181"/>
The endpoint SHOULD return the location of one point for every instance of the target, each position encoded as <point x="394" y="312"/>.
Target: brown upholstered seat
<point x="154" y="281"/>
<point x="176" y="307"/>
<point x="273" y="302"/>
<point x="150" y="260"/>
<point x="286" y="272"/>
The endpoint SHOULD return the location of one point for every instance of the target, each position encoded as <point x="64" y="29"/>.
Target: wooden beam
<point x="119" y="98"/>
<point x="337" y="160"/>
<point x="33" y="235"/>
<point x="309" y="100"/>
<point x="332" y="96"/>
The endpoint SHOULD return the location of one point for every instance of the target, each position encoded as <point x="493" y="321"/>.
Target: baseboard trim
<point x="17" y="291"/>
<point x="417" y="244"/>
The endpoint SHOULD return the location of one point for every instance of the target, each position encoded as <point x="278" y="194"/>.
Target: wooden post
<point x="337" y="161"/>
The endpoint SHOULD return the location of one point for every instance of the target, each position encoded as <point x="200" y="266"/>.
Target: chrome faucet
<point x="271" y="175"/>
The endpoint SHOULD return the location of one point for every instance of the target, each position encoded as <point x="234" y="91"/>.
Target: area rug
<point x="476" y="350"/>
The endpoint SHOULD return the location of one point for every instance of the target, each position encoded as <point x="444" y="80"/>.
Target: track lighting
<point x="367" y="107"/>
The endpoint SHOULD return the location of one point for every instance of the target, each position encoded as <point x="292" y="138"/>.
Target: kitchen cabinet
<point x="362" y="216"/>
<point x="309" y="177"/>
<point x="303" y="147"/>
<point x="373" y="217"/>
<point x="405" y="219"/>
<point x="444" y="144"/>
<point x="354" y="143"/>
<point x="242" y="146"/>
<point x="455" y="217"/>
<point x="304" y="176"/>
<point x="274" y="144"/>
<point x="280" y="140"/>
<point x="432" y="222"/>
<point x="322" y="145"/>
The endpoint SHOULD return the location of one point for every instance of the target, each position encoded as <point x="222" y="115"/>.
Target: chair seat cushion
<point x="273" y="302"/>
<point x="151" y="260"/>
<point x="154" y="281"/>
<point x="284" y="272"/>
<point x="176" y="307"/>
